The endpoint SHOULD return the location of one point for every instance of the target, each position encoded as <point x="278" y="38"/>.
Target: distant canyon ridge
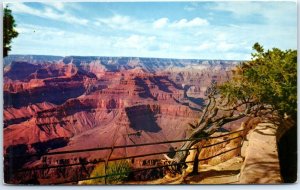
<point x="67" y="103"/>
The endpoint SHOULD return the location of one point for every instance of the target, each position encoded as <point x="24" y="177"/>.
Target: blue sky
<point x="205" y="30"/>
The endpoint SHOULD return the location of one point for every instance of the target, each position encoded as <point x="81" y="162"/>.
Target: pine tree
<point x="9" y="31"/>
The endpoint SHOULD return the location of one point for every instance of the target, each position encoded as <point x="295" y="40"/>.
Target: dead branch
<point x="215" y="114"/>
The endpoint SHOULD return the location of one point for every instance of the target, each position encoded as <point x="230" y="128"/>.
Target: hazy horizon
<point x="123" y="57"/>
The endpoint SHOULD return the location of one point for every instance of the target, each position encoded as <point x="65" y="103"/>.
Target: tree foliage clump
<point x="9" y="31"/>
<point x="268" y="81"/>
<point x="116" y="171"/>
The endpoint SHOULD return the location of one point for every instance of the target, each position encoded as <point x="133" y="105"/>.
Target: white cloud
<point x="183" y="23"/>
<point x="276" y="27"/>
<point x="48" y="13"/>
<point x="199" y="47"/>
<point x="21" y="8"/>
<point x="43" y="39"/>
<point x="35" y="39"/>
<point x="225" y="46"/>
<point x="272" y="12"/>
<point x="191" y="7"/>
<point x="137" y="42"/>
<point x="238" y="8"/>
<point x="121" y="22"/>
<point x="57" y="5"/>
<point x="27" y="29"/>
<point x="164" y="46"/>
<point x="51" y="14"/>
<point x="160" y="23"/>
<point x="115" y="21"/>
<point x="205" y="46"/>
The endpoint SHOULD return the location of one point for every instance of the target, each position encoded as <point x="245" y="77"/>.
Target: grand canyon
<point x="75" y="119"/>
<point x="149" y="92"/>
<point x="70" y="103"/>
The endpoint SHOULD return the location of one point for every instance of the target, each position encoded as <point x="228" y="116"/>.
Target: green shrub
<point x="121" y="167"/>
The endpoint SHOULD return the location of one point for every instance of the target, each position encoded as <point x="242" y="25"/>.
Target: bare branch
<point x="204" y="113"/>
<point x="192" y="126"/>
<point x="234" y="107"/>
